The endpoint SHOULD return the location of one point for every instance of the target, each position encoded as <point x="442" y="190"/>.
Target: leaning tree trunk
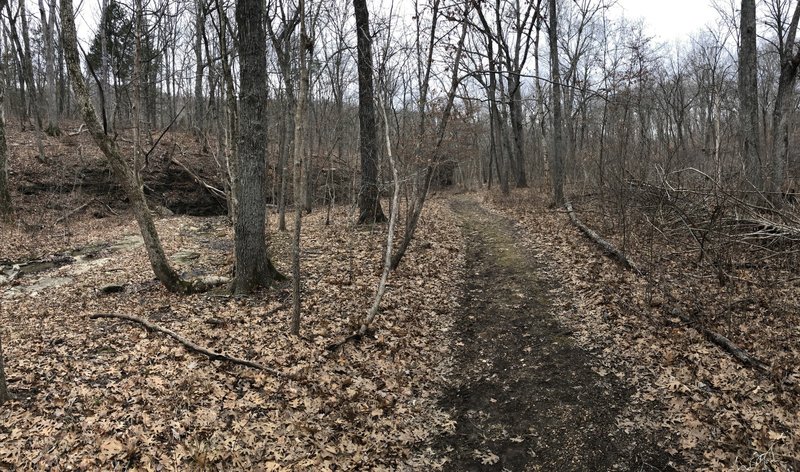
<point x="558" y="138"/>
<point x="127" y="177"/>
<point x="369" y="203"/>
<point x="253" y="267"/>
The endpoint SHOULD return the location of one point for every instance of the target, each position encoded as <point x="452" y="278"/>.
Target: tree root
<point x="191" y="346"/>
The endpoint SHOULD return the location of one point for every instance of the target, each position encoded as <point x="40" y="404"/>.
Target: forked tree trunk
<point x="127" y="177"/>
<point x="417" y="203"/>
<point x="253" y="266"/>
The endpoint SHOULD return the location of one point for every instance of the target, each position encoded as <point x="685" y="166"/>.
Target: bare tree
<point x="789" y="56"/>
<point x="369" y="203"/>
<point x="558" y="139"/>
<point x="129" y="178"/>
<point x="6" y="210"/>
<point x="26" y="62"/>
<point x="748" y="95"/>
<point x="301" y="117"/>
<point x="253" y="266"/>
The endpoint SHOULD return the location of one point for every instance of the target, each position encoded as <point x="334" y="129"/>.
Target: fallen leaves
<point x="110" y="395"/>
<point x="715" y="412"/>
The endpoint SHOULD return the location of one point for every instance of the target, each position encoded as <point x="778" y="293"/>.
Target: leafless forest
<point x="409" y="235"/>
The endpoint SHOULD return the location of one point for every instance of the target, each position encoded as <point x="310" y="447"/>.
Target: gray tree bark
<point x="301" y="113"/>
<point x="199" y="101"/>
<point x="558" y="133"/>
<point x="51" y="101"/>
<point x="253" y="266"/>
<point x="748" y="96"/>
<point x="4" y="395"/>
<point x="369" y="203"/>
<point x="784" y="105"/>
<point x="6" y="210"/>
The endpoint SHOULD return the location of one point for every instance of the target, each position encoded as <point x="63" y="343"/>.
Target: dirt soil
<point x="525" y="396"/>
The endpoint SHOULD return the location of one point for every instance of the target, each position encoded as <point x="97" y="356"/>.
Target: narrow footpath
<point x="525" y="396"/>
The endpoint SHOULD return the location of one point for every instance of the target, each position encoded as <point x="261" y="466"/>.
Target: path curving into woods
<point x="524" y="396"/>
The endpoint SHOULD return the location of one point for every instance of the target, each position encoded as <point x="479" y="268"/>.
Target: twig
<point x="213" y="355"/>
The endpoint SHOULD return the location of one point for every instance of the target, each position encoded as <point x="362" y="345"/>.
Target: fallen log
<point x="726" y="344"/>
<point x="191" y="346"/>
<point x="607" y="247"/>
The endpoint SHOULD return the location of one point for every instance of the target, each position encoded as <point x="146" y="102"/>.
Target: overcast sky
<point x="669" y="20"/>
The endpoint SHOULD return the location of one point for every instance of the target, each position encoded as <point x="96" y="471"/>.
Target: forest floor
<point x="506" y="340"/>
<point x="526" y="396"/>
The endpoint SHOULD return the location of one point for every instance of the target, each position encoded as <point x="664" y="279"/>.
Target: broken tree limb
<point x="607" y="247"/>
<point x="727" y="345"/>
<point x="213" y="355"/>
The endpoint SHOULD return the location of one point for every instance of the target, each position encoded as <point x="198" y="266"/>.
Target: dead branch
<point x="76" y="210"/>
<point x="726" y="344"/>
<point x="209" y="187"/>
<point x="716" y="338"/>
<point x="607" y="247"/>
<point x="213" y="355"/>
<point x="80" y="130"/>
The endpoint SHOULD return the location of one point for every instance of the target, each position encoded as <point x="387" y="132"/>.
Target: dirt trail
<point x="526" y="397"/>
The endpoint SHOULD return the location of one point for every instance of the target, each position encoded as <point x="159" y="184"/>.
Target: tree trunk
<point x="748" y="95"/>
<point x="253" y="267"/>
<point x="369" y="203"/>
<point x="299" y="151"/>
<point x="4" y="395"/>
<point x="784" y="105"/>
<point x="127" y="177"/>
<point x="558" y="138"/>
<point x="516" y="115"/>
<point x="6" y="211"/>
<point x="48" y="26"/>
<point x="199" y="111"/>
<point x="27" y="67"/>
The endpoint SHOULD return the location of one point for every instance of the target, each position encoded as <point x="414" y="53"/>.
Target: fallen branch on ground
<point x="213" y="355"/>
<point x="726" y="344"/>
<point x="605" y="245"/>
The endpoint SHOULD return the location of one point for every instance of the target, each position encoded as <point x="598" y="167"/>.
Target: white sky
<point x="669" y="20"/>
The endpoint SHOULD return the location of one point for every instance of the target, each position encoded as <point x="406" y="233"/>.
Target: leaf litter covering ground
<point x="721" y="415"/>
<point x="108" y="395"/>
